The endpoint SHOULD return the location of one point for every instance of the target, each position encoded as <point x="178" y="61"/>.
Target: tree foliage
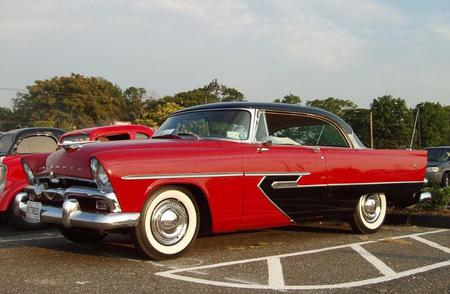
<point x="434" y="125"/>
<point x="392" y="122"/>
<point x="289" y="99"/>
<point x="334" y="105"/>
<point x="69" y="102"/>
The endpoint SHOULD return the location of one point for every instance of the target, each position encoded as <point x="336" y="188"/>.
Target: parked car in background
<point x="15" y="173"/>
<point x="220" y="168"/>
<point x="108" y="133"/>
<point x="20" y="172"/>
<point x="438" y="165"/>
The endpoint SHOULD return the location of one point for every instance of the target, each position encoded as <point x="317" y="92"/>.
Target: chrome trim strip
<point x="182" y="176"/>
<point x="265" y="174"/>
<point x="375" y="183"/>
<point x="289" y="184"/>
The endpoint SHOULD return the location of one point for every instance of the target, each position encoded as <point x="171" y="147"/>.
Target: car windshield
<point x="5" y="143"/>
<point x="225" y="124"/>
<point x="438" y="154"/>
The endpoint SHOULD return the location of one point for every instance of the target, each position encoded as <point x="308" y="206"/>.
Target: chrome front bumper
<point x="70" y="215"/>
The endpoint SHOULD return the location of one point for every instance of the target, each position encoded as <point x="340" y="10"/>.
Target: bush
<point x="440" y="198"/>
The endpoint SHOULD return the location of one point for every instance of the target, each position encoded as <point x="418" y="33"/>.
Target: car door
<point x="285" y="180"/>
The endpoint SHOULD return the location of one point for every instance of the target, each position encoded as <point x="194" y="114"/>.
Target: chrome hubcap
<point x="169" y="222"/>
<point x="371" y="207"/>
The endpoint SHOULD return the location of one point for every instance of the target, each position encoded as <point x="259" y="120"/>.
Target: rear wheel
<point x="369" y="214"/>
<point x="168" y="225"/>
<point x="81" y="236"/>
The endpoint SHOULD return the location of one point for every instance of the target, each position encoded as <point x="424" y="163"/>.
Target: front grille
<point x="67" y="183"/>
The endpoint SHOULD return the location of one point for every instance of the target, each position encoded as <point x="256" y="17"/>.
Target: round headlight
<point x="28" y="172"/>
<point x="99" y="175"/>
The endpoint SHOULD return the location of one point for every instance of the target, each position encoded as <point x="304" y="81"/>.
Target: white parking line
<point x="381" y="266"/>
<point x="431" y="243"/>
<point x="275" y="269"/>
<point x="30" y="238"/>
<point x="276" y="280"/>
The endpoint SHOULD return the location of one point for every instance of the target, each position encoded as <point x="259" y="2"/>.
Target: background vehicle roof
<point x="26" y="131"/>
<point x="117" y="128"/>
<point x="272" y="106"/>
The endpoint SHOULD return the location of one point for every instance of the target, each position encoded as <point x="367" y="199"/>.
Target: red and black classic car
<point x="15" y="145"/>
<point x="220" y="168"/>
<point x="33" y="147"/>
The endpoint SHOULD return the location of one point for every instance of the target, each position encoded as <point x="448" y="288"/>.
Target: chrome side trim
<point x="265" y="174"/>
<point x="182" y="176"/>
<point x="375" y="183"/>
<point x="289" y="184"/>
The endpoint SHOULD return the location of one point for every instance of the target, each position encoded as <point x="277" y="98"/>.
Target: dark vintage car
<point x="220" y="168"/>
<point x="438" y="166"/>
<point x="16" y="145"/>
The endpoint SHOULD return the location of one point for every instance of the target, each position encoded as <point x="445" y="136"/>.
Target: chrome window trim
<point x="251" y="131"/>
<point x="344" y="134"/>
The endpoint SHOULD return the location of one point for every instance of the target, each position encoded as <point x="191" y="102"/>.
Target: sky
<point x="351" y="49"/>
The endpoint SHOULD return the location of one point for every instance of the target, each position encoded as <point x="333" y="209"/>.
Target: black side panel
<point x="331" y="202"/>
<point x="296" y="203"/>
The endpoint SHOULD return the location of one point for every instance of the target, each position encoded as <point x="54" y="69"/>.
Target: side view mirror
<point x="265" y="146"/>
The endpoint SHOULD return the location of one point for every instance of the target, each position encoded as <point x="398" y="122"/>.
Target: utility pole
<point x="415" y="124"/>
<point x="371" y="129"/>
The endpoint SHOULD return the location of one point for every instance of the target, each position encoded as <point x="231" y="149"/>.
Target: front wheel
<point x="369" y="214"/>
<point x="168" y="225"/>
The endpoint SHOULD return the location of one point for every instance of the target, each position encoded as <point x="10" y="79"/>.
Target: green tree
<point x="434" y="125"/>
<point x="359" y="120"/>
<point x="334" y="105"/>
<point x="289" y="99"/>
<point x="158" y="114"/>
<point x="134" y="103"/>
<point x="392" y="120"/>
<point x="7" y="121"/>
<point x="69" y="102"/>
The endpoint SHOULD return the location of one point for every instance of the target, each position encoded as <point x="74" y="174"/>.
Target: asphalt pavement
<point x="315" y="258"/>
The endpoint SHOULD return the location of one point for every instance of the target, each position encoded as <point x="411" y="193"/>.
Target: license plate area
<point x="33" y="214"/>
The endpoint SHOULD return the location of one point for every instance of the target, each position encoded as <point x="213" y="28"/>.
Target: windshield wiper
<point x="167" y="136"/>
<point x="190" y="134"/>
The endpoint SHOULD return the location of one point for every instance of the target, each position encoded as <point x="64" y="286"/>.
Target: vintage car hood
<point x="75" y="163"/>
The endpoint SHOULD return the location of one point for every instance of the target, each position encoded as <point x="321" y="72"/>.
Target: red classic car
<point x="108" y="133"/>
<point x="220" y="168"/>
<point x="14" y="147"/>
<point x="26" y="150"/>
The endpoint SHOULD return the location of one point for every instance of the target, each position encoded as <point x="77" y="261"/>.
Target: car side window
<point x="37" y="144"/>
<point x="287" y="129"/>
<point x="261" y="132"/>
<point x="115" y="137"/>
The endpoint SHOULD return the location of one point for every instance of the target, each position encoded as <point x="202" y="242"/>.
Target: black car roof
<point x="274" y="107"/>
<point x="26" y="131"/>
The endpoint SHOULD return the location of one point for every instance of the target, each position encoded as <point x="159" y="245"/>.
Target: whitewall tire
<point x="168" y="225"/>
<point x="369" y="214"/>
